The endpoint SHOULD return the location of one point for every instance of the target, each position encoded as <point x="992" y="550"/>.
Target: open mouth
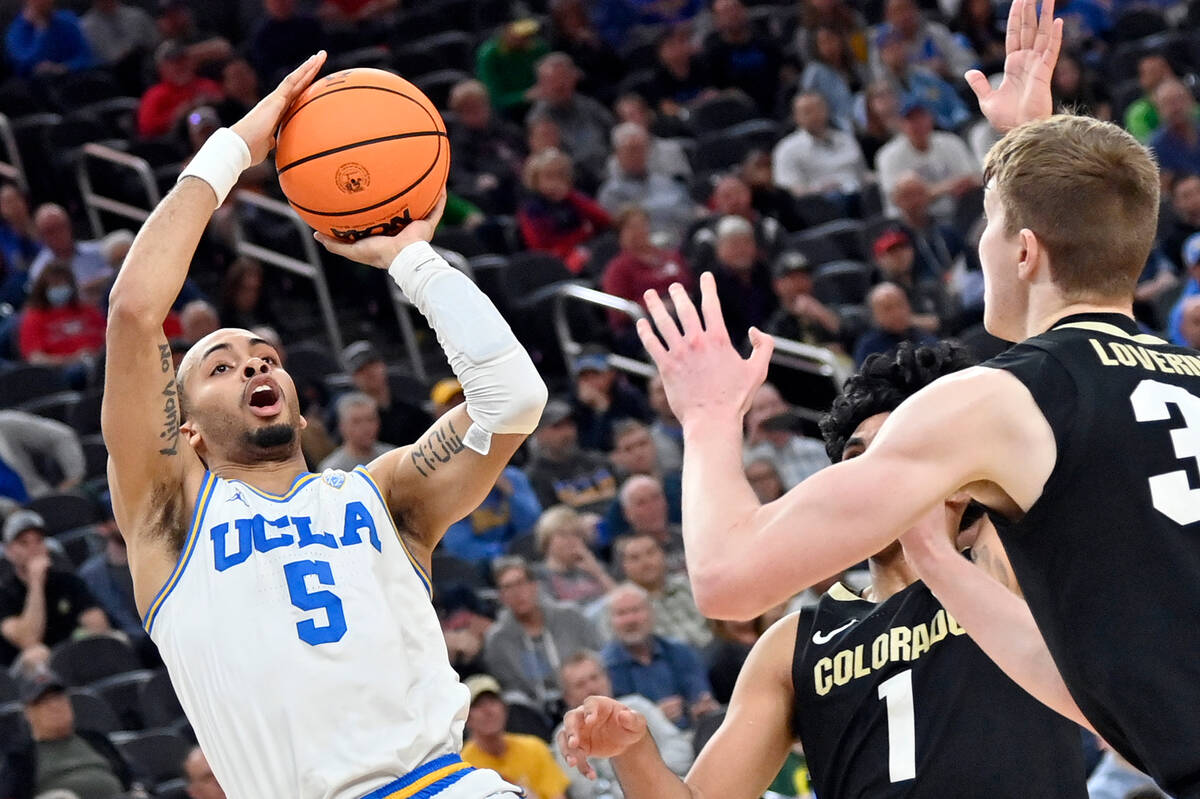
<point x="265" y="400"/>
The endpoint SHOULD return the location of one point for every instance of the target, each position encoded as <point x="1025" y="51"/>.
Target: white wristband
<point x="220" y="162"/>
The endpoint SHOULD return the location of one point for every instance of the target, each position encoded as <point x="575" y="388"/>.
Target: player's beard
<point x="270" y="438"/>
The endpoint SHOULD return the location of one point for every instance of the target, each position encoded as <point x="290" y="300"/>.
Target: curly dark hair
<point x="885" y="381"/>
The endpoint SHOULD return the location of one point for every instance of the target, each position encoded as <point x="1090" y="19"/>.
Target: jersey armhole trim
<point x="202" y="499"/>
<point x="420" y="570"/>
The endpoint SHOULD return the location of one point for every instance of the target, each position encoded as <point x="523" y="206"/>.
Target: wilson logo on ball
<point x="352" y="178"/>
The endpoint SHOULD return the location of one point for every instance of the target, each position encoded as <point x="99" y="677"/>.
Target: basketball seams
<point x="433" y="165"/>
<point x="312" y="100"/>
<point x="363" y="143"/>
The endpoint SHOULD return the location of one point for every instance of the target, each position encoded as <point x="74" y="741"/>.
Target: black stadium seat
<point x="123" y="692"/>
<point x="154" y="755"/>
<point x="86" y="660"/>
<point x="27" y="382"/>
<point x="160" y="706"/>
<point x="64" y="511"/>
<point x="92" y="712"/>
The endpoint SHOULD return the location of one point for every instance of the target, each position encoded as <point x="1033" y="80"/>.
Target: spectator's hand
<point x="600" y="727"/>
<point x="701" y="372"/>
<point x="49" y="68"/>
<point x="37" y="567"/>
<point x="962" y="185"/>
<point x="258" y="127"/>
<point x="486" y="182"/>
<point x="806" y="306"/>
<point x="672" y="707"/>
<point x="1032" y="51"/>
<point x="704" y="705"/>
<point x="587" y="561"/>
<point x="593" y="397"/>
<point x="463" y="644"/>
<point x="380" y="251"/>
<point x="504" y="484"/>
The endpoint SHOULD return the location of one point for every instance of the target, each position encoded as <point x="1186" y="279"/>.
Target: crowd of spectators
<point x="821" y="158"/>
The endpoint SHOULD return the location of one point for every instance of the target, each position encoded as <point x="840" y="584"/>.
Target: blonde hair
<point x="546" y="160"/>
<point x="555" y="520"/>
<point x="1088" y="191"/>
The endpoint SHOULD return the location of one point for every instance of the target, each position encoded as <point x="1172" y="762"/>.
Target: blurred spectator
<point x="1189" y="322"/>
<point x="488" y="151"/>
<point x="880" y="120"/>
<point x="743" y="281"/>
<point x="665" y="428"/>
<point x="197" y="319"/>
<point x="840" y="16"/>
<point x="239" y="85"/>
<point x="40" y="605"/>
<point x="176" y="23"/>
<point x="505" y="64"/>
<point x="445" y="395"/>
<point x="1183" y="218"/>
<point x="643" y="562"/>
<point x="45" y="42"/>
<point x="834" y="74"/>
<point x="645" y="507"/>
<point x="667" y="155"/>
<point x="978" y="24"/>
<point x="400" y="422"/>
<point x="569" y="571"/>
<point x="615" y="18"/>
<point x="939" y="157"/>
<point x="584" y="122"/>
<point x="63" y="758"/>
<point x="771" y="435"/>
<point x="572" y="32"/>
<point x="243" y="303"/>
<point x="524" y="760"/>
<point x="739" y="58"/>
<point x="1085" y="23"/>
<point x="18" y="235"/>
<point x="1141" y="117"/>
<point x="201" y="784"/>
<point x="664" y="671"/>
<point x="640" y="266"/>
<point x="894" y="258"/>
<point x="914" y="84"/>
<point x="679" y="75"/>
<point x="602" y="399"/>
<point x="466" y="618"/>
<point x="38" y="456"/>
<point x="665" y="200"/>
<point x="84" y="258"/>
<point x="346" y="13"/>
<point x="938" y="246"/>
<point x="118" y="33"/>
<point x="729" y="648"/>
<point x="529" y="641"/>
<point x="892" y="322"/>
<point x="556" y="218"/>
<point x="56" y="328"/>
<point x="1191" y="288"/>
<point x="1076" y="87"/>
<point x="584" y="675"/>
<point x="634" y="453"/>
<point x="764" y="479"/>
<point x="541" y="135"/>
<point x="560" y="471"/>
<point x="202" y="122"/>
<point x="358" y="427"/>
<point x="1176" y="144"/>
<point x="929" y="45"/>
<point x="732" y="197"/>
<point x="283" y="39"/>
<point x="179" y="90"/>
<point x="800" y="316"/>
<point x="106" y="574"/>
<point x="817" y="158"/>
<point x="1116" y="778"/>
<point x="767" y="199"/>
<point x="509" y="510"/>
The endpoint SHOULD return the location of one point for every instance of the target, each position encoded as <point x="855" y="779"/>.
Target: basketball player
<point x="1083" y="441"/>
<point x="293" y="609"/>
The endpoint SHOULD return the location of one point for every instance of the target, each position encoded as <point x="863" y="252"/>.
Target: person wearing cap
<point x="896" y="262"/>
<point x="178" y="90"/>
<point x="940" y="158"/>
<point x="505" y="64"/>
<point x="912" y="82"/>
<point x="39" y="604"/>
<point x="602" y="398"/>
<point x="523" y="760"/>
<point x="938" y="247"/>
<point x="400" y="422"/>
<point x="1176" y="327"/>
<point x="510" y="510"/>
<point x="818" y="158"/>
<point x="45" y="42"/>
<point x="446" y="393"/>
<point x="560" y="471"/>
<point x="801" y="316"/>
<point x="742" y="278"/>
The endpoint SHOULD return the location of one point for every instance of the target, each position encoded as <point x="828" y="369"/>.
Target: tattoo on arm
<point x="170" y="426"/>
<point x="436" y="449"/>
<point x="164" y="357"/>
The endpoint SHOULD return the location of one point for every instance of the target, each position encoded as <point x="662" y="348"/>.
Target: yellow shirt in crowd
<point x="526" y="761"/>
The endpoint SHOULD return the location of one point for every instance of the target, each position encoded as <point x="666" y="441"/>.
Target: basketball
<point x="362" y="152"/>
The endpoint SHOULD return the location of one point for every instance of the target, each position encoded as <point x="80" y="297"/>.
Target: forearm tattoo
<point x="170" y="424"/>
<point x="436" y="449"/>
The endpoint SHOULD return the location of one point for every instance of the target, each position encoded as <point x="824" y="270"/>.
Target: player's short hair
<point x="884" y="381"/>
<point x="1089" y="191"/>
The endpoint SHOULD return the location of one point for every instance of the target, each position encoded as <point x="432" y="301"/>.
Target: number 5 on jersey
<point x="298" y="576"/>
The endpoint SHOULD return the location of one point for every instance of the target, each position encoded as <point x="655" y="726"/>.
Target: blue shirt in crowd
<point x="501" y="517"/>
<point x="60" y="42"/>
<point x="674" y="670"/>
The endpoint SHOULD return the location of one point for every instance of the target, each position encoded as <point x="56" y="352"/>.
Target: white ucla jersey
<point x="301" y="640"/>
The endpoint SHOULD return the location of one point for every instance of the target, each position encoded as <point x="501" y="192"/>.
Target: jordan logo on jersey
<point x="234" y="542"/>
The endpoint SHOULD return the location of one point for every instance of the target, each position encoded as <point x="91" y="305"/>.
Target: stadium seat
<point x="818" y="249"/>
<point x="447" y="570"/>
<point x="813" y="209"/>
<point x="64" y="511"/>
<point x="450" y="50"/>
<point x="85" y="660"/>
<point x="85" y="415"/>
<point x="119" y="115"/>
<point x="159" y="705"/>
<point x="8" y="688"/>
<point x="27" y="382"/>
<point x="81" y="543"/>
<point x="154" y="755"/>
<point x="57" y="406"/>
<point x="311" y="362"/>
<point x="437" y="85"/>
<point x="706" y="726"/>
<point x="722" y="111"/>
<point x="1137" y="23"/>
<point x="843" y="282"/>
<point x="123" y="693"/>
<point x="95" y="455"/>
<point x="460" y="240"/>
<point x="73" y="90"/>
<point x="92" y="712"/>
<point x="847" y="234"/>
<point x="524" y="545"/>
<point x="525" y="719"/>
<point x="726" y="148"/>
<point x="14" y="729"/>
<point x="376" y="57"/>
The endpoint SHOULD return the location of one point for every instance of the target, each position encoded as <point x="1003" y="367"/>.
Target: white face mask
<point x="60" y="295"/>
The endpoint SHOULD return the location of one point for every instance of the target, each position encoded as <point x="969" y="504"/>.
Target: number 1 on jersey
<point x="308" y="630"/>
<point x="902" y="728"/>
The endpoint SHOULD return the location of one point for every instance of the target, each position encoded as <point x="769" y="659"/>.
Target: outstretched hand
<point x="700" y="369"/>
<point x="600" y="727"/>
<point x="261" y="122"/>
<point x="380" y="251"/>
<point x="1031" y="46"/>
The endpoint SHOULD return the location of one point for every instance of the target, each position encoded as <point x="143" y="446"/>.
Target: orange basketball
<point x="362" y="152"/>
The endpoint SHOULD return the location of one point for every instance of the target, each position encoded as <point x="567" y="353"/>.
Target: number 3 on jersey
<point x="297" y="575"/>
<point x="1171" y="492"/>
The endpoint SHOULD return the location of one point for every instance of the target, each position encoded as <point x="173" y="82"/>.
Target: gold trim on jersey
<point x="841" y="593"/>
<point x="1111" y="330"/>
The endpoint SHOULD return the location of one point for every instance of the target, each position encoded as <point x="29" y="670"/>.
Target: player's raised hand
<point x="1032" y="51"/>
<point x="701" y="371"/>
<point x="261" y="122"/>
<point x="600" y="727"/>
<point x="380" y="251"/>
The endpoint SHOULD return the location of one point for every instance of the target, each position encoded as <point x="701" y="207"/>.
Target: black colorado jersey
<point x="894" y="700"/>
<point x="1108" y="557"/>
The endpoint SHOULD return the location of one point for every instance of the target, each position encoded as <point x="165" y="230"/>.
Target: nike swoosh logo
<point x="824" y="638"/>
